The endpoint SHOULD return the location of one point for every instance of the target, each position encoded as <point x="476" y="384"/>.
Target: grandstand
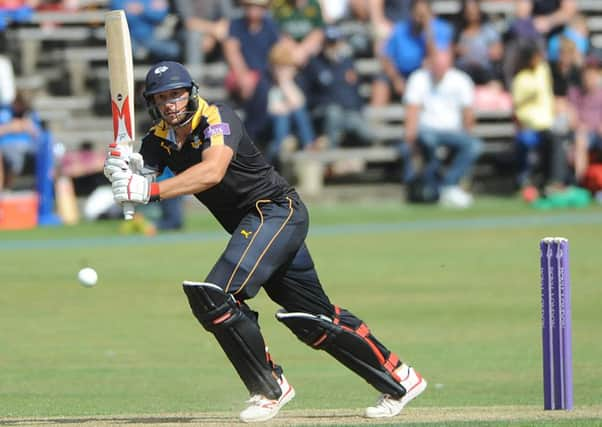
<point x="59" y="56"/>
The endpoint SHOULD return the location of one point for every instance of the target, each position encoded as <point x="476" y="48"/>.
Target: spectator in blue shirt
<point x="144" y="18"/>
<point x="406" y="48"/>
<point x="577" y="32"/>
<point x="20" y="133"/>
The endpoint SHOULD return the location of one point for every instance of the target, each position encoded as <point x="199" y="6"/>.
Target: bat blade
<point x="121" y="81"/>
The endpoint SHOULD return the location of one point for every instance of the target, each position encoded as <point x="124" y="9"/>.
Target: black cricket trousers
<point x="268" y="250"/>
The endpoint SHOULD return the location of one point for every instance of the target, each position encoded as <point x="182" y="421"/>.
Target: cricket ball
<point x="87" y="277"/>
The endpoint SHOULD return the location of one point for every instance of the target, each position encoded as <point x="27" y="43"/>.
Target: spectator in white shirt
<point x="438" y="112"/>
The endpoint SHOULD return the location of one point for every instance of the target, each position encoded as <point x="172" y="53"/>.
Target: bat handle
<point x="128" y="211"/>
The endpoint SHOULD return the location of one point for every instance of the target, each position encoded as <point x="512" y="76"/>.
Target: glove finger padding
<point x="136" y="162"/>
<point x="114" y="162"/>
<point x="113" y="165"/>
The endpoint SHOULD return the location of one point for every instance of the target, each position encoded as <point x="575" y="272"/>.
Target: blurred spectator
<point x="335" y="11"/>
<point x="172" y="210"/>
<point x="300" y="23"/>
<point x="333" y="89"/>
<point x="566" y="73"/>
<point x="577" y="32"/>
<point x="383" y="16"/>
<point x="479" y="47"/>
<point x="522" y="24"/>
<point x="206" y="27"/>
<point x="250" y="39"/>
<point x="286" y="103"/>
<point x="8" y="86"/>
<point x="550" y="16"/>
<point x="65" y="5"/>
<point x="536" y="143"/>
<point x="85" y="167"/>
<point x="406" y="48"/>
<point x="586" y="100"/>
<point x="438" y="113"/>
<point x="18" y="11"/>
<point x="20" y="131"/>
<point x="566" y="70"/>
<point x="144" y="18"/>
<point x="521" y="30"/>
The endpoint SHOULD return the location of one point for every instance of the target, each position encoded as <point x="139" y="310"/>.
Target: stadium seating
<point x="65" y="50"/>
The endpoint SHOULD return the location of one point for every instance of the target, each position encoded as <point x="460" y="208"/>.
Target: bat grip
<point x="128" y="211"/>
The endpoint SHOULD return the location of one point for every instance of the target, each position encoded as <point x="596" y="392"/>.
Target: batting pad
<point x="237" y="333"/>
<point x="356" y="351"/>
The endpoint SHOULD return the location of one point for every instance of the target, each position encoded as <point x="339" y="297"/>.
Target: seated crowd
<point x="292" y="72"/>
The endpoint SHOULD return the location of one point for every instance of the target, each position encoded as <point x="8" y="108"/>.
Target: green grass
<point x="456" y="293"/>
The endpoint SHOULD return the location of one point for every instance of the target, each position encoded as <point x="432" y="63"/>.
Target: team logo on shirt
<point x="196" y="143"/>
<point x="246" y="233"/>
<point x="166" y="147"/>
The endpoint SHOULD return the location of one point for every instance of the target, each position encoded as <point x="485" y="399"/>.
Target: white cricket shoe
<point x="455" y="197"/>
<point x="262" y="409"/>
<point x="387" y="406"/>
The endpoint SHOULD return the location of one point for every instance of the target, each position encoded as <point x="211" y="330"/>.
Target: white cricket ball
<point x="87" y="277"/>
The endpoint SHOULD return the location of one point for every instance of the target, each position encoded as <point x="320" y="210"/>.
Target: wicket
<point x="556" y="323"/>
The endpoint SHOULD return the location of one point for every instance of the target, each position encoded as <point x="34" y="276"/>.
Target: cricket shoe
<point x="262" y="408"/>
<point x="388" y="406"/>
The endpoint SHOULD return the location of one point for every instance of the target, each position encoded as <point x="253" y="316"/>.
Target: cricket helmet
<point x="169" y="75"/>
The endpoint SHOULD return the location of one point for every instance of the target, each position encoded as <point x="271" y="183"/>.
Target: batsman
<point x="213" y="158"/>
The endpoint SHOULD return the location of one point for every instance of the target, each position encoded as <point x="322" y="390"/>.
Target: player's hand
<point x="129" y="187"/>
<point x="116" y="161"/>
<point x="136" y="162"/>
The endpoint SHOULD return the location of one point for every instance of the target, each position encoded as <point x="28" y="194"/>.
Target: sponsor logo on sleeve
<point x="217" y="129"/>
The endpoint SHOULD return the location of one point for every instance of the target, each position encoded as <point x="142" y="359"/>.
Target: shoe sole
<point x="285" y="399"/>
<point x="412" y="394"/>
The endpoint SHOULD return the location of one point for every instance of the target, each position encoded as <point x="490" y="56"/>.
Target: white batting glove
<point x="136" y="162"/>
<point x="117" y="161"/>
<point x="114" y="165"/>
<point x="129" y="187"/>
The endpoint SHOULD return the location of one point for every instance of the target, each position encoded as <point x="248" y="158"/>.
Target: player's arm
<point x="136" y="188"/>
<point x="200" y="177"/>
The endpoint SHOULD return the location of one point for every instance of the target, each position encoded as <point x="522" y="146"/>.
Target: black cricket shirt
<point x="249" y="176"/>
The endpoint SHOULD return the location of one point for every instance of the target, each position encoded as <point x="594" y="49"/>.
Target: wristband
<point x="154" y="192"/>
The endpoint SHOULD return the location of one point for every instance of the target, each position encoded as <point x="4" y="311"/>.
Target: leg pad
<point x="348" y="340"/>
<point x="237" y="331"/>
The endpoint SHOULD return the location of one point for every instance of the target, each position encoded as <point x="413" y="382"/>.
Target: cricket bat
<point x="121" y="80"/>
<point x="66" y="200"/>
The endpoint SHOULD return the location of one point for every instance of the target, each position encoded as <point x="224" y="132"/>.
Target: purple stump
<point x="556" y="323"/>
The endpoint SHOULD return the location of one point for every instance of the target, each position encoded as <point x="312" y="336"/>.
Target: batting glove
<point x="130" y="187"/>
<point x="117" y="161"/>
